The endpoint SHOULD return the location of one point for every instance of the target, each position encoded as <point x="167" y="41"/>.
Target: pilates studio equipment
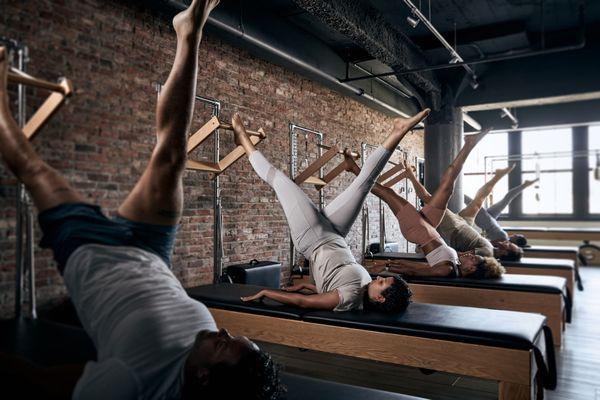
<point x="25" y="239"/>
<point x="547" y="295"/>
<point x="47" y="344"/>
<point x="509" y="347"/>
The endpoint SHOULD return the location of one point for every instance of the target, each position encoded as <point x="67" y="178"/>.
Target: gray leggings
<point x="486" y="218"/>
<point x="495" y="209"/>
<point x="310" y="227"/>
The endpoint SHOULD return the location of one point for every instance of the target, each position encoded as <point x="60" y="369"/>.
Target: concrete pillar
<point x="443" y="141"/>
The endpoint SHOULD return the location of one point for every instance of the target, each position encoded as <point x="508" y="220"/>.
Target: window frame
<point x="580" y="168"/>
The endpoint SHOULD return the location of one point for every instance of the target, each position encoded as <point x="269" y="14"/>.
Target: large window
<point x="557" y="157"/>
<point x="492" y="146"/>
<point x="553" y="194"/>
<point x="594" y="162"/>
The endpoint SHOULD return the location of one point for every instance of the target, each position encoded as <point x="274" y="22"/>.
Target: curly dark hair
<point x="512" y="255"/>
<point x="397" y="298"/>
<point x="254" y="377"/>
<point x="519" y="240"/>
<point x="488" y="268"/>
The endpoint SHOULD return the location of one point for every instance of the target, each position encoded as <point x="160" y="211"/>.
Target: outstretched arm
<point x="322" y="301"/>
<point x="301" y="286"/>
<point x="415" y="268"/>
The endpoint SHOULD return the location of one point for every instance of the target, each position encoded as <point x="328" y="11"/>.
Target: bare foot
<point x="403" y="125"/>
<point x="240" y="136"/>
<point x="409" y="170"/>
<point x="351" y="165"/>
<point x="472" y="140"/>
<point x="504" y="171"/>
<point x="531" y="182"/>
<point x="191" y="20"/>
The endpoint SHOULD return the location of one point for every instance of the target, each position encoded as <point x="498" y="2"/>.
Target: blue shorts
<point x="68" y="226"/>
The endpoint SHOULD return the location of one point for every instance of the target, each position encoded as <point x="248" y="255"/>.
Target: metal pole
<point x="20" y="265"/>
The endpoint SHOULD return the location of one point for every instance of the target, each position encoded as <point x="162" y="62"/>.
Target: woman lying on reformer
<point x="458" y="231"/>
<point x="419" y="227"/>
<point x="341" y="284"/>
<point x="486" y="220"/>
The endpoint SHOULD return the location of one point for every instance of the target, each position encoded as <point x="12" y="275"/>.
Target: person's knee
<point x="173" y="156"/>
<point x="31" y="170"/>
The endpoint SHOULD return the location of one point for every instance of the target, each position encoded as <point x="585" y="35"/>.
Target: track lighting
<point x="474" y="84"/>
<point x="454" y="60"/>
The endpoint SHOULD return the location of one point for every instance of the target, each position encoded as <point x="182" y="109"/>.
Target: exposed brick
<point x="102" y="138"/>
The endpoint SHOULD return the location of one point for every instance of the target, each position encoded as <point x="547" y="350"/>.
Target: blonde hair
<point x="492" y="267"/>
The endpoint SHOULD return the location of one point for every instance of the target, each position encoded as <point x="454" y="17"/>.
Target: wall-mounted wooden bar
<point x="315" y="166"/>
<point x="60" y="91"/>
<point x="203" y="133"/>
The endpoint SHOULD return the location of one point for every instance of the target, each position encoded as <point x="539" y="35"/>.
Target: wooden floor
<point x="578" y="362"/>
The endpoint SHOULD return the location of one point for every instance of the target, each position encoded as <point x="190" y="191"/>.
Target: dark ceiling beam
<point x="474" y="34"/>
<point x="367" y="27"/>
<point x="565" y="114"/>
<point x="558" y="77"/>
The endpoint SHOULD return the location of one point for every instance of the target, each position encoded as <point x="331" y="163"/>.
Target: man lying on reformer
<point x="487" y="220"/>
<point x="152" y="340"/>
<point x="341" y="284"/>
<point x="462" y="237"/>
<point x="419" y="227"/>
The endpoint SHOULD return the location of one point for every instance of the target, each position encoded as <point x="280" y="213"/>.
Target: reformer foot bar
<point x="204" y="133"/>
<point x="512" y="348"/>
<point x="60" y="91"/>
<point x="546" y="295"/>
<point x="49" y="344"/>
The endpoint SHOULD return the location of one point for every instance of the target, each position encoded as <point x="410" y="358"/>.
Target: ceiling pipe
<point x="293" y="60"/>
<point x="455" y="56"/>
<point x="506" y="113"/>
<point x="467" y="119"/>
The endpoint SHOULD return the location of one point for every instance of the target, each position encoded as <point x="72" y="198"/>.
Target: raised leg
<point x="345" y="208"/>
<point x="441" y="196"/>
<point x="473" y="207"/>
<point x="308" y="226"/>
<point x="157" y="198"/>
<point x="496" y="209"/>
<point x="48" y="188"/>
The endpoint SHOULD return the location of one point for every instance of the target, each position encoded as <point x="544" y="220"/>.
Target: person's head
<point x="478" y="267"/>
<point x="507" y="250"/>
<point x="222" y="366"/>
<point x="519" y="240"/>
<point x="390" y="294"/>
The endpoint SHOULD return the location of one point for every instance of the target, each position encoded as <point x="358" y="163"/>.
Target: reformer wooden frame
<point x="204" y="133"/>
<point x="514" y="369"/>
<point x="551" y="305"/>
<point x="307" y="176"/>
<point x="568" y="274"/>
<point x="566" y="254"/>
<point x="60" y="92"/>
<point x="556" y="233"/>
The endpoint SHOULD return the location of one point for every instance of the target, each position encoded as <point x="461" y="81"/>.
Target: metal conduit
<point x="415" y="10"/>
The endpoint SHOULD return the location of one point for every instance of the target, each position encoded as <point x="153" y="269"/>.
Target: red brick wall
<point x="102" y="138"/>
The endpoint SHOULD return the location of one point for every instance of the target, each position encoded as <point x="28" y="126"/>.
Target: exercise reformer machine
<point x="25" y="240"/>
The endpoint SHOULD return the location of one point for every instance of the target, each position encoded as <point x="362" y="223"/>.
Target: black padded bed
<point x="48" y="343"/>
<point x="448" y="324"/>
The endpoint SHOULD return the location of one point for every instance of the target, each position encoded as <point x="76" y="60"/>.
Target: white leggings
<point x="310" y="227"/>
